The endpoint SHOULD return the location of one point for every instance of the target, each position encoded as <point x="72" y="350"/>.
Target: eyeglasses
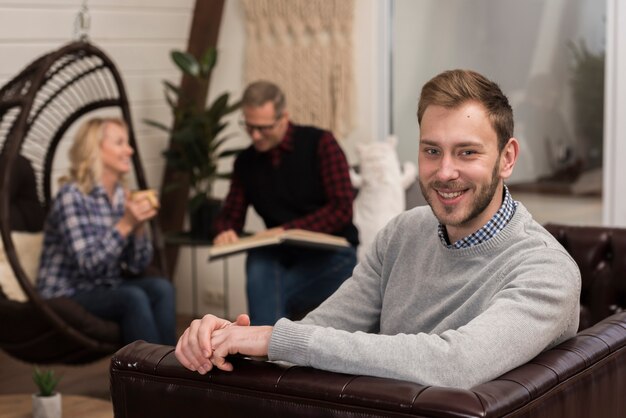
<point x="263" y="129"/>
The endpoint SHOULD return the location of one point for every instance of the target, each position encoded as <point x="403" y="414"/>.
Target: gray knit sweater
<point x="418" y="311"/>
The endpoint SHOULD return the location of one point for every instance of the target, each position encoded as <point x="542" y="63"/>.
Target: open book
<point x="298" y="237"/>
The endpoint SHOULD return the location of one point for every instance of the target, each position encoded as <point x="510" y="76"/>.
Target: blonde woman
<point x="95" y="239"/>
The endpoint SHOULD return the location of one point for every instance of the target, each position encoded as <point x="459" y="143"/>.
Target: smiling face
<point x="115" y="151"/>
<point x="266" y="129"/>
<point x="461" y="171"/>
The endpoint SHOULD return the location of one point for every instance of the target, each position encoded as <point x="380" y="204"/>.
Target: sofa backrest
<point x="595" y="250"/>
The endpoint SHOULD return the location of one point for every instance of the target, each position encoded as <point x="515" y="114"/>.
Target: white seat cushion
<point x="28" y="247"/>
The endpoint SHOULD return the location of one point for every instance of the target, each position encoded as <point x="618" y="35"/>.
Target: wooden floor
<point x="88" y="380"/>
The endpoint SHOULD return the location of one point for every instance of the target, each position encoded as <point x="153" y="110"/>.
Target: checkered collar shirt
<point x="489" y="230"/>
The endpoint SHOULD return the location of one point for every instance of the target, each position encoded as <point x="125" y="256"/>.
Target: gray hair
<point x="261" y="92"/>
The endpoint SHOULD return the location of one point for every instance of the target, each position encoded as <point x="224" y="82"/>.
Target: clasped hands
<point x="208" y="341"/>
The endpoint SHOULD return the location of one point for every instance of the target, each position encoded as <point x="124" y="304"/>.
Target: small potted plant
<point x="197" y="138"/>
<point x="47" y="402"/>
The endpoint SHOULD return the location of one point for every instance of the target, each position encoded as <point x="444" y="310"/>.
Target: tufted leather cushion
<point x="147" y="380"/>
<point x="595" y="251"/>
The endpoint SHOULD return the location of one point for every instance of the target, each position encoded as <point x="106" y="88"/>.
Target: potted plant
<point x="197" y="135"/>
<point x="46" y="402"/>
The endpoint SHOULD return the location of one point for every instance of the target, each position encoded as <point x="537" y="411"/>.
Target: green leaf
<point x="221" y="141"/>
<point x="171" y="101"/>
<point x="230" y="109"/>
<point x="196" y="201"/>
<point x="172" y="94"/>
<point x="46" y="381"/>
<point x="186" y="62"/>
<point x="156" y="124"/>
<point x="218" y="129"/>
<point x="207" y="62"/>
<point x="230" y="152"/>
<point x="171" y="87"/>
<point x="217" y="107"/>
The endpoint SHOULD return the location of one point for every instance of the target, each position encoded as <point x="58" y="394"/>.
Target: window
<point x="547" y="56"/>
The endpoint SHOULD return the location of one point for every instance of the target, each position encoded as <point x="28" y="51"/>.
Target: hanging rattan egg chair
<point x="37" y="108"/>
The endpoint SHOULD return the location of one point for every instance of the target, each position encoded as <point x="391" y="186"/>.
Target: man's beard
<point x="481" y="201"/>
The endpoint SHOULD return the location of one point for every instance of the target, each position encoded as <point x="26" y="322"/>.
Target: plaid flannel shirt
<point x="82" y="249"/>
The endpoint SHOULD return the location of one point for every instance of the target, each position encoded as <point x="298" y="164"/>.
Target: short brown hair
<point x="453" y="88"/>
<point x="261" y="92"/>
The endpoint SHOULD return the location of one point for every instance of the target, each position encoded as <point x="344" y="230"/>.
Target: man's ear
<point x="508" y="157"/>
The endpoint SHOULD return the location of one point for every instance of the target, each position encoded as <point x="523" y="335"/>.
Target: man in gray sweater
<point x="453" y="294"/>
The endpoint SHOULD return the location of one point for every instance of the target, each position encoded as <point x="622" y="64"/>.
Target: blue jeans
<point x="287" y="281"/>
<point x="143" y="307"/>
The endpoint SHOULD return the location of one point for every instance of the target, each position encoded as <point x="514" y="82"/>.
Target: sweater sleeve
<point x="533" y="311"/>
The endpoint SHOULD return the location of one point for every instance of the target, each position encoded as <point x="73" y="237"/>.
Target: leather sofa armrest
<point x="589" y="369"/>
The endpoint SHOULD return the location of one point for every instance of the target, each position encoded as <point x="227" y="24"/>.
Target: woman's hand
<point x="136" y="213"/>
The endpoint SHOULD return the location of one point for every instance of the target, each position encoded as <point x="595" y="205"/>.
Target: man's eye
<point x="431" y="151"/>
<point x="468" y="152"/>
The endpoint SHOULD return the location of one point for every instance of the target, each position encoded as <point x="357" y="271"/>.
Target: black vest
<point x="291" y="190"/>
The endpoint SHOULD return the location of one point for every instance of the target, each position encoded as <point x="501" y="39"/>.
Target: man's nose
<point x="448" y="168"/>
<point x="255" y="134"/>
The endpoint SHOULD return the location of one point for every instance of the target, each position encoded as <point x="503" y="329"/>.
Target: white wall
<point x="614" y="198"/>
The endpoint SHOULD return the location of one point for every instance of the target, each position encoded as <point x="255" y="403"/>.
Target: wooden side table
<point x="184" y="239"/>
<point x="73" y="406"/>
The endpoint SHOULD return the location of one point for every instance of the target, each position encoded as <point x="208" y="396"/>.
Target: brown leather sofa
<point x="582" y="377"/>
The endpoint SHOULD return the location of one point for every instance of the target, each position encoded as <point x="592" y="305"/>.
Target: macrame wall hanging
<point x="305" y="46"/>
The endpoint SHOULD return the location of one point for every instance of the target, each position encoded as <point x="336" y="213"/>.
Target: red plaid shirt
<point x="330" y="218"/>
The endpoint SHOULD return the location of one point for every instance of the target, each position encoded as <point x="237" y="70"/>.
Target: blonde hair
<point x="84" y="155"/>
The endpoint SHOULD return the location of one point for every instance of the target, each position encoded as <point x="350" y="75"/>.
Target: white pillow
<point x="28" y="247"/>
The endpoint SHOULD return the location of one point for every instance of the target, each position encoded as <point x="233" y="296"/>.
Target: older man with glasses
<point x="294" y="177"/>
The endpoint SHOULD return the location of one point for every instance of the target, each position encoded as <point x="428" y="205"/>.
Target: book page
<point x="310" y="236"/>
<point x="298" y="237"/>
